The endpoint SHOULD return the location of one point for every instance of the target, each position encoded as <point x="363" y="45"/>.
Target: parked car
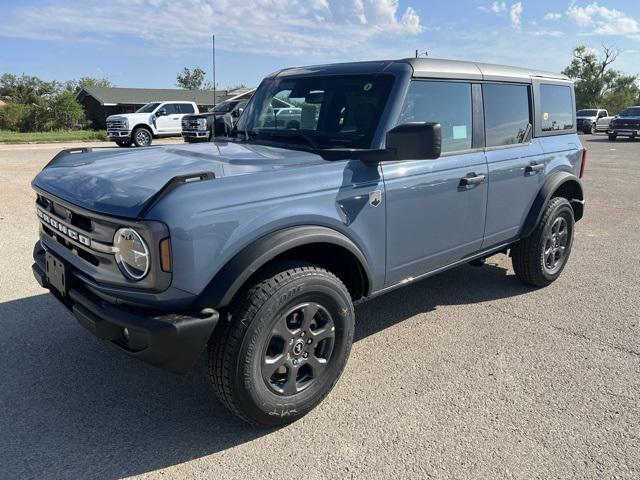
<point x="200" y="127"/>
<point x="154" y="120"/>
<point x="588" y="118"/>
<point x="626" y="124"/>
<point x="255" y="248"/>
<point x="602" y="124"/>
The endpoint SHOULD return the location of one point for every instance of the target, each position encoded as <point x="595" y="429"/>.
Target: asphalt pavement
<point x="468" y="374"/>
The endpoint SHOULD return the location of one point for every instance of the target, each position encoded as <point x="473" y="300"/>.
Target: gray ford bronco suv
<point x="254" y="248"/>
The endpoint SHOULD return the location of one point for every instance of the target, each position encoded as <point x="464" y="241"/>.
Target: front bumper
<point x="169" y="340"/>
<point x="118" y="134"/>
<point x="628" y="132"/>
<point x="198" y="134"/>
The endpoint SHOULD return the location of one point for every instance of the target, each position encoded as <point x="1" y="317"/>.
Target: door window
<point x="556" y="107"/>
<point x="170" y="108"/>
<point x="507" y="116"/>
<point x="184" y="108"/>
<point x="446" y="103"/>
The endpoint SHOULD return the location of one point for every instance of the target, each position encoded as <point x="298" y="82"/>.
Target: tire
<point x="612" y="137"/>
<point x="593" y="130"/>
<point x="142" y="137"/>
<point x="267" y="322"/>
<point x="540" y="258"/>
<point x="124" y="143"/>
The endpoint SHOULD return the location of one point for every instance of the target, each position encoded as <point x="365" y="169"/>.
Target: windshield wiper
<point x="295" y="134"/>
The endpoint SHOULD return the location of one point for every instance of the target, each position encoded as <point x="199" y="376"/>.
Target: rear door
<point x="434" y="217"/>
<point x="515" y="160"/>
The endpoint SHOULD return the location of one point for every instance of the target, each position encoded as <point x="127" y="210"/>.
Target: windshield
<point x="338" y="111"/>
<point x="587" y="113"/>
<point x="630" y="112"/>
<point x="224" y="107"/>
<point x="148" y="108"/>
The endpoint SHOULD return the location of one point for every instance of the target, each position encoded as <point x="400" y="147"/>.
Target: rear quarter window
<point x="556" y="108"/>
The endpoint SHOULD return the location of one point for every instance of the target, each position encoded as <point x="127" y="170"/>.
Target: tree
<point x="63" y="111"/>
<point x="77" y="85"/>
<point x="597" y="85"/>
<point x="26" y="89"/>
<point x="190" y="79"/>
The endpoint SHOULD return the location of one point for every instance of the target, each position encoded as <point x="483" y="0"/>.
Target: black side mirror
<point x="161" y="112"/>
<point x="415" y="141"/>
<point x="236" y="113"/>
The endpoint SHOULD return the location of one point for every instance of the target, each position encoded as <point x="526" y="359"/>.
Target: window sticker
<point x="545" y="116"/>
<point x="459" y="131"/>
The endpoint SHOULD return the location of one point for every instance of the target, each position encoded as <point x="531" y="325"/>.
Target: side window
<point x="446" y="103"/>
<point x="506" y="113"/>
<point x="170" y="108"/>
<point x="556" y="108"/>
<point x="184" y="108"/>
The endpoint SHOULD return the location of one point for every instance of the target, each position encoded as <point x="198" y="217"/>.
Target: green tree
<point x="597" y="85"/>
<point x="26" y="89"/>
<point x="63" y="111"/>
<point x="190" y="79"/>
<point x="76" y="85"/>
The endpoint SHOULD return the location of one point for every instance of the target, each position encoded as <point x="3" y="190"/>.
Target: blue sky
<point x="144" y="43"/>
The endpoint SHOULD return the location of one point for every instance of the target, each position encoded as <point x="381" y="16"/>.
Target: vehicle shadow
<point x="72" y="406"/>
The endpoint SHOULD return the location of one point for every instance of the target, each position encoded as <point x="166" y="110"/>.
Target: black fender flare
<point x="555" y="181"/>
<point x="230" y="278"/>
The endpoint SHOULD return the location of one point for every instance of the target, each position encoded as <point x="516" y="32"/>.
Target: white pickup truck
<point x="155" y="119"/>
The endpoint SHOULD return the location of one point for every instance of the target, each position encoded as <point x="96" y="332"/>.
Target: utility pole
<point x="213" y="45"/>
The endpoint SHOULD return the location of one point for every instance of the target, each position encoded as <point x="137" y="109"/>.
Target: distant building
<point x="100" y="102"/>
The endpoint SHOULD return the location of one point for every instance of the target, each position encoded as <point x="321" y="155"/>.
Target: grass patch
<point x="56" y="136"/>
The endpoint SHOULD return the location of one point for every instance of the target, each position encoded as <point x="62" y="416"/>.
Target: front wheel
<point x="142" y="137"/>
<point x="539" y="259"/>
<point x="283" y="344"/>
<point x="592" y="130"/>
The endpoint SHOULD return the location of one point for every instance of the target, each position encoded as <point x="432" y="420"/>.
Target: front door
<point x="170" y="122"/>
<point x="436" y="208"/>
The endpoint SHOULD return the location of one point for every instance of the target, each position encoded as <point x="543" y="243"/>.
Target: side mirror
<point x="414" y="141"/>
<point x="161" y="112"/>
<point x="236" y="113"/>
<point x="222" y="126"/>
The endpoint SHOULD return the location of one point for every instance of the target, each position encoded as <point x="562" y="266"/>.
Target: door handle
<point x="476" y="180"/>
<point x="175" y="118"/>
<point x="534" y="167"/>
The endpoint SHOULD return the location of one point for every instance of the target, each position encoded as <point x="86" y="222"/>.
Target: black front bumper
<point x="169" y="340"/>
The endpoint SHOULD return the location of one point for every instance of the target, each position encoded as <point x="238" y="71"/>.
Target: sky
<point x="145" y="43"/>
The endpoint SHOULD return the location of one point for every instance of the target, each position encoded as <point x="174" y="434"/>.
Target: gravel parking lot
<point x="464" y="375"/>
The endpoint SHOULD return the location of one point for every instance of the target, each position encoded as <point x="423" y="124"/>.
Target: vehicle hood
<point x="632" y="118"/>
<point x="586" y="118"/>
<point x="123" y="182"/>
<point x="132" y="117"/>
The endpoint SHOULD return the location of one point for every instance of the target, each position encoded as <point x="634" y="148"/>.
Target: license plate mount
<point x="57" y="274"/>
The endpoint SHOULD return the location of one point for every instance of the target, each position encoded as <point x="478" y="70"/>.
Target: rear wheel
<point x="142" y="137"/>
<point x="612" y="137"/>
<point x="283" y="344"/>
<point x="540" y="258"/>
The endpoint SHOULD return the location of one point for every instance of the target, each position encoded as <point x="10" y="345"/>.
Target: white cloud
<point x="498" y="7"/>
<point x="604" y="21"/>
<point x="515" y="14"/>
<point x="551" y="16"/>
<point x="318" y="28"/>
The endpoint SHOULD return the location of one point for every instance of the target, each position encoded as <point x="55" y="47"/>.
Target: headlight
<point x="202" y="123"/>
<point x="132" y="254"/>
<point x="125" y="122"/>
